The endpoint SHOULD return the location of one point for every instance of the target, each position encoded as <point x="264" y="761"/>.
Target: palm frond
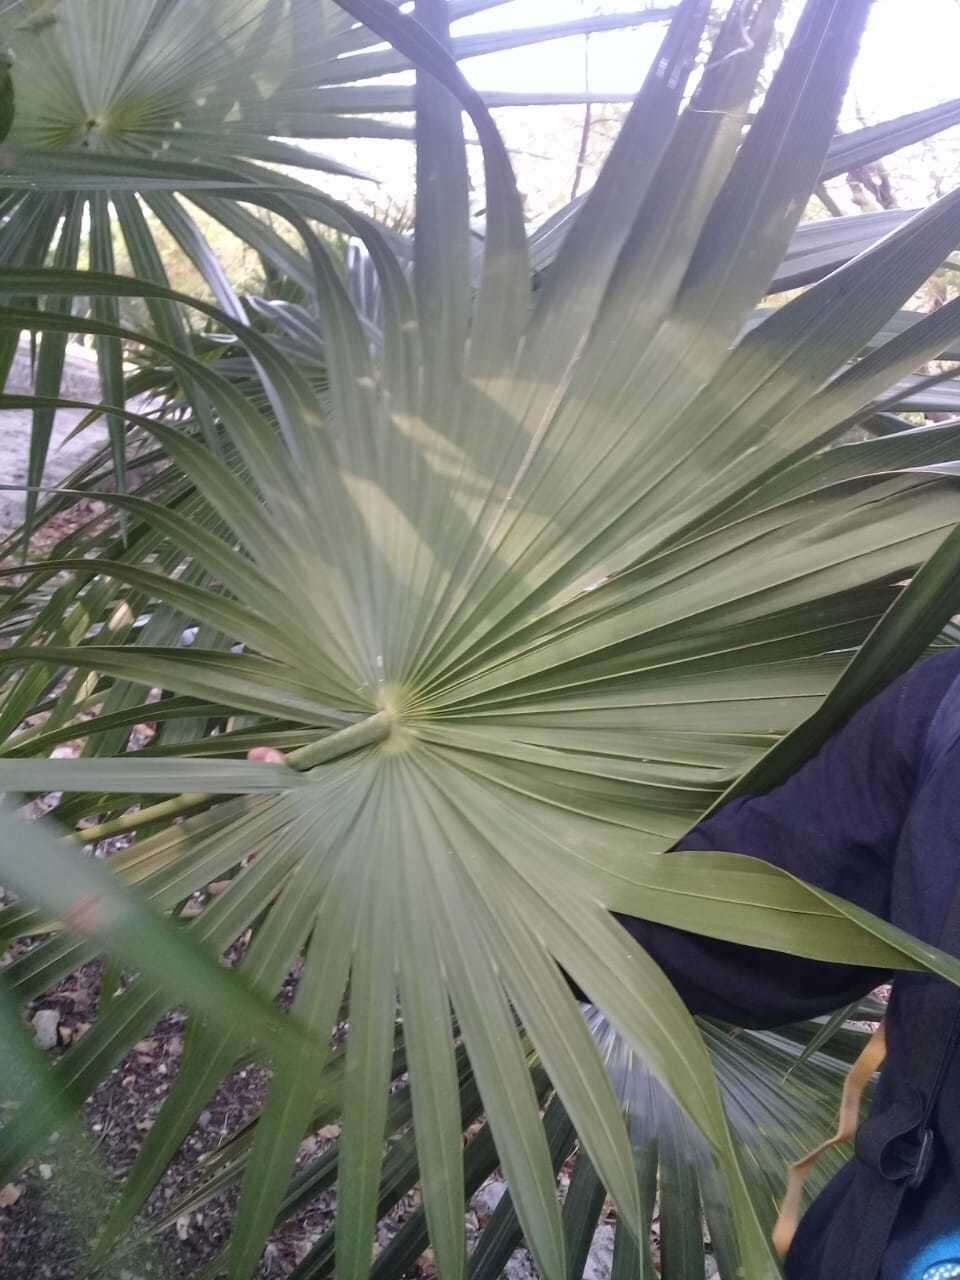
<point x="535" y="581"/>
<point x="147" y="94"/>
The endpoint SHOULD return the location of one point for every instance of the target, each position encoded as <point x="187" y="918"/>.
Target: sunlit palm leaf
<point x="154" y="86"/>
<point x="538" y="575"/>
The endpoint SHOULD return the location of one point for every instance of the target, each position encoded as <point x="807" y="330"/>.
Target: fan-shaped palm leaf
<point x="532" y="590"/>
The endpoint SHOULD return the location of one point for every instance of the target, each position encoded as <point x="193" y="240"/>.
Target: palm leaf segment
<point x="543" y="581"/>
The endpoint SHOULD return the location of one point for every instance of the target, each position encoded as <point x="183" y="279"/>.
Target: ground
<point x="80" y="383"/>
<point x="45" y="1233"/>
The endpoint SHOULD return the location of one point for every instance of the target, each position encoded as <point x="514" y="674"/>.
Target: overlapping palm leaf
<point x="777" y="1087"/>
<point x="527" y="591"/>
<point x="818" y="247"/>
<point x="132" y="102"/>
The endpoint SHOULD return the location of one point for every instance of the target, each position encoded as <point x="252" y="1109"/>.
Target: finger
<point x="266" y="755"/>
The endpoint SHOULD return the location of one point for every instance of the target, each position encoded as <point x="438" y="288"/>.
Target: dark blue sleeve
<point x="835" y="824"/>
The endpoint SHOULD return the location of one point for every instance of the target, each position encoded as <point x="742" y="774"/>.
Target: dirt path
<point x="80" y="382"/>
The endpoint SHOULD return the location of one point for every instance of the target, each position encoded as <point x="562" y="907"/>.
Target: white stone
<point x="599" y="1262"/>
<point x="520" y="1267"/>
<point x="488" y="1197"/>
<point x="45" y="1023"/>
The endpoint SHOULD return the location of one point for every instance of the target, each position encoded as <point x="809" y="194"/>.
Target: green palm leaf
<point x="532" y="585"/>
<point x="151" y="92"/>
<point x="776" y="1102"/>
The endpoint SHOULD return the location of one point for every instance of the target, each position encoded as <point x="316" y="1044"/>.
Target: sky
<point x="909" y="57"/>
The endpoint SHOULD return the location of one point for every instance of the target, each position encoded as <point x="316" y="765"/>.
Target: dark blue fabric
<point x="873" y="821"/>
